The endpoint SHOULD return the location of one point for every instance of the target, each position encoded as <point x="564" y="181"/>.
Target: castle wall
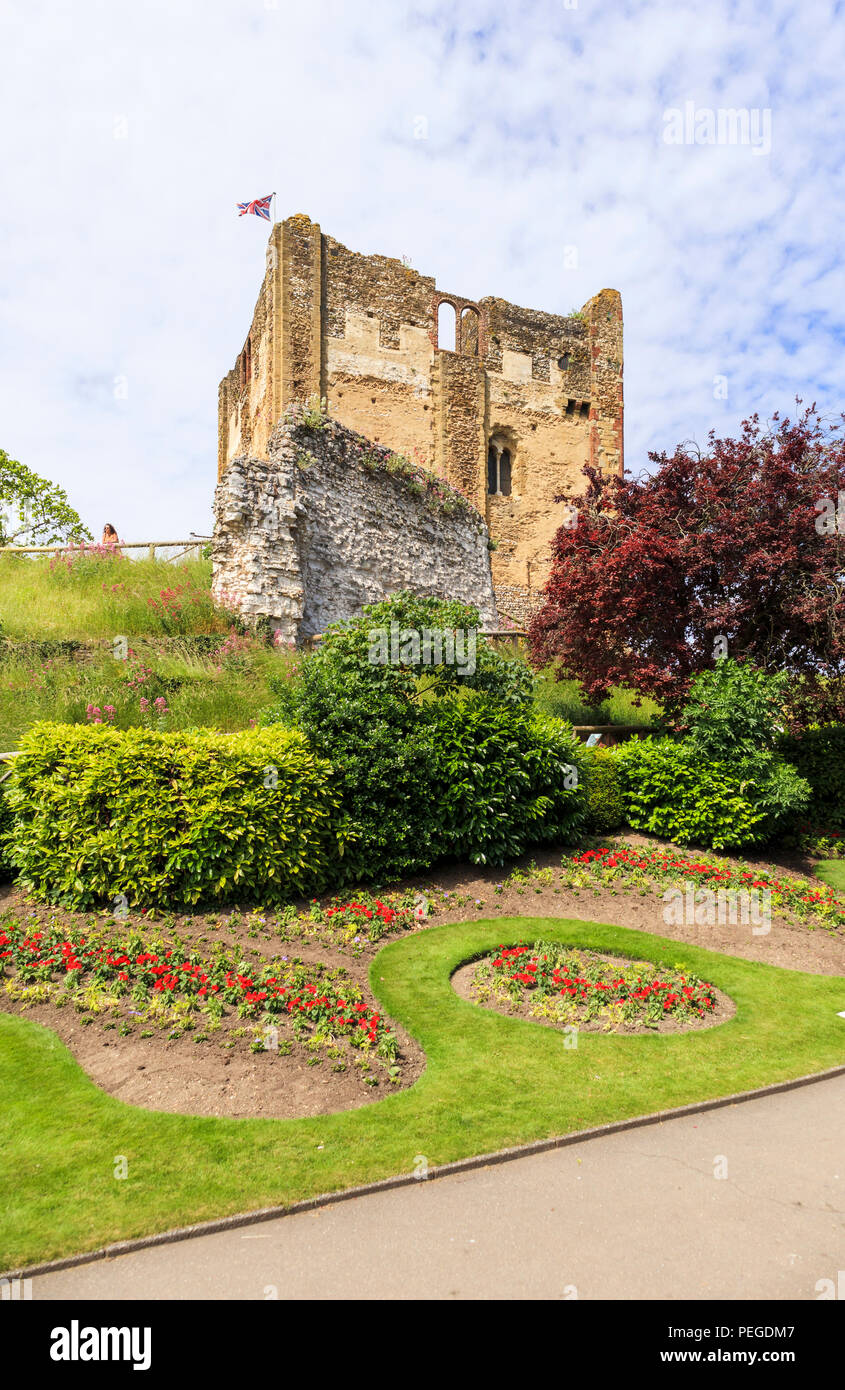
<point x="362" y="332"/>
<point x="248" y="395"/>
<point x="307" y="536"/>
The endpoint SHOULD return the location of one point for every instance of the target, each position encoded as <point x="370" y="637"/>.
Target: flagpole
<point x="273" y="218"/>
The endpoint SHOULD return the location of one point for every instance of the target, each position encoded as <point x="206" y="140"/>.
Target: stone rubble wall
<point x="518" y="604"/>
<point x="307" y="536"/>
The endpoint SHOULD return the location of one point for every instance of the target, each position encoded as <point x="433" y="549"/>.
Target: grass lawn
<point x="490" y="1081"/>
<point x="832" y="872"/>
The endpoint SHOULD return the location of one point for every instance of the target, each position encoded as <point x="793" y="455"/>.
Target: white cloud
<point x="129" y="133"/>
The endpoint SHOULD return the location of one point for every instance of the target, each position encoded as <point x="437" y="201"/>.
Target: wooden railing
<point x="195" y="543"/>
<point x="3" y="758"/>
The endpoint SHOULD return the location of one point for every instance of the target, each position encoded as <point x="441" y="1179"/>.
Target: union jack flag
<point x="260" y="206"/>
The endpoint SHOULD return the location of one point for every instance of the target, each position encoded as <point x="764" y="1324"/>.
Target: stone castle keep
<point x="508" y="414"/>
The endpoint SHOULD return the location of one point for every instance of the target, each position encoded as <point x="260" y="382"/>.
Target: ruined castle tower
<point x="509" y="413"/>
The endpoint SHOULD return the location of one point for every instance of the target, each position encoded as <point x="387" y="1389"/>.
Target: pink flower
<point x="145" y="704"/>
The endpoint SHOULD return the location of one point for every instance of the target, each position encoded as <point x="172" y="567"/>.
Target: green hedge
<point x="819" y="756"/>
<point x="503" y="780"/>
<point x="431" y="761"/>
<point x="671" y="791"/>
<point x="605" y="799"/>
<point x="170" y="819"/>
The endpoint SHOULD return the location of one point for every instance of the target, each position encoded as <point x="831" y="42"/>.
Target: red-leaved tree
<point x="736" y="550"/>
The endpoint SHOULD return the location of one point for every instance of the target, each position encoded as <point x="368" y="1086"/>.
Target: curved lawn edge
<point x="491" y="1083"/>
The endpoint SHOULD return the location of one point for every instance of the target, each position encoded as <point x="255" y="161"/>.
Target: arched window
<point x="447" y="327"/>
<point x="498" y="469"/>
<point x="469" y="332"/>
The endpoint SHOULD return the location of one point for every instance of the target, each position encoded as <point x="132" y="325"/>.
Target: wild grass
<point x="80" y="596"/>
<point x="564" y="699"/>
<point x="225" y="691"/>
<point x="95" y="597"/>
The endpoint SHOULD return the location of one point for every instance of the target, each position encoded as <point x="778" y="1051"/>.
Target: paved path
<point x="633" y="1215"/>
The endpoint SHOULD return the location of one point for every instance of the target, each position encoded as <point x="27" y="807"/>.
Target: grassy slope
<point x="100" y="597"/>
<point x="199" y="691"/>
<point x="490" y="1082"/>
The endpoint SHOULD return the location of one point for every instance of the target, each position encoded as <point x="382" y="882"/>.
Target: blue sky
<point x="130" y="132"/>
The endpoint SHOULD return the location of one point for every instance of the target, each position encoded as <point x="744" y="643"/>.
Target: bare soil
<point x="206" y="1079"/>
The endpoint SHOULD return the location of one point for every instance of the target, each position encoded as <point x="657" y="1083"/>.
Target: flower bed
<point x="635" y="866"/>
<point x="355" y="921"/>
<point x="568" y="986"/>
<point x="166" y="984"/>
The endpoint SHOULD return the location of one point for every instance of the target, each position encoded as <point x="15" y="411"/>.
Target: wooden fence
<point x="194" y="545"/>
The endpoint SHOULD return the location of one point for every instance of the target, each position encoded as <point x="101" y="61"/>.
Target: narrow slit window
<point x="505" y="473"/>
<point x="498" y="470"/>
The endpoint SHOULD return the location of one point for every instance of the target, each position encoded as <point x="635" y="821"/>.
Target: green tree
<point x="33" y="510"/>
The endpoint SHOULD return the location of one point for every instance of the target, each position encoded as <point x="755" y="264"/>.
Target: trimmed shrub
<point x="605" y="801"/>
<point x="357" y="647"/>
<point x="819" y="756"/>
<point x="430" y="760"/>
<point x="169" y="819"/>
<point x="671" y="791"/>
<point x="503" y="780"/>
<point x="381" y="755"/>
